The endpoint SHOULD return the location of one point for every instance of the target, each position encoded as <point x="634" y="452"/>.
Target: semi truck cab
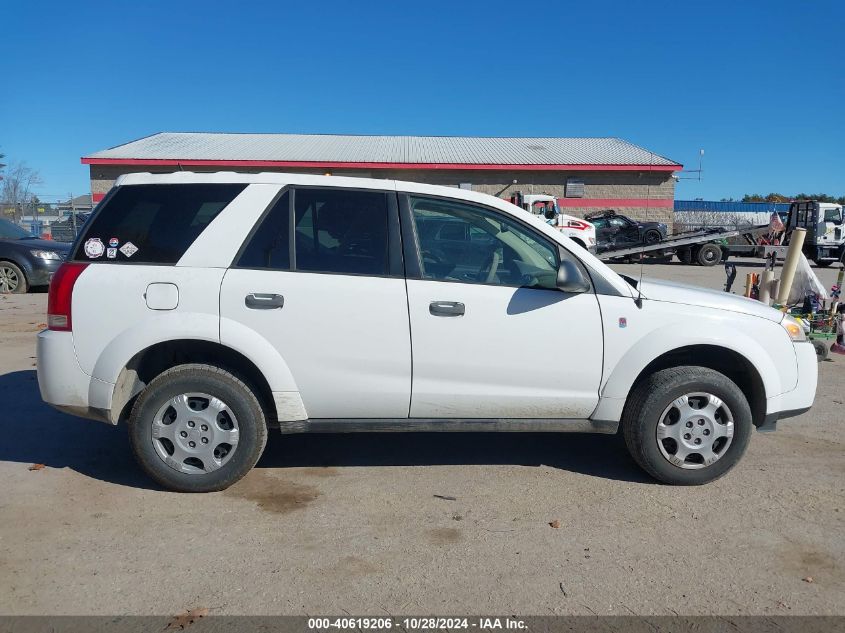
<point x="825" y="240"/>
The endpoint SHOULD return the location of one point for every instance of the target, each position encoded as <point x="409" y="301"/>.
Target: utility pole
<point x="73" y="215"/>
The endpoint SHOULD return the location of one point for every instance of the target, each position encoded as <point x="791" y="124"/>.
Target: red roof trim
<point x="343" y="165"/>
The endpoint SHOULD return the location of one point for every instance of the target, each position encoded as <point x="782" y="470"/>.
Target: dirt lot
<point x="334" y="524"/>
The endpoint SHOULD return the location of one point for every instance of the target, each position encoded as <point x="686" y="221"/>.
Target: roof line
<point x="132" y="141"/>
<point x="378" y="165"/>
<point x="645" y="149"/>
<point x="370" y="135"/>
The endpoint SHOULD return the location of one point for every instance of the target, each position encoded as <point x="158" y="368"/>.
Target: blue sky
<point x="759" y="85"/>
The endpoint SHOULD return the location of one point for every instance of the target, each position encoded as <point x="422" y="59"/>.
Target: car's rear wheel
<point x="687" y="425"/>
<point x="197" y="428"/>
<point x="12" y="279"/>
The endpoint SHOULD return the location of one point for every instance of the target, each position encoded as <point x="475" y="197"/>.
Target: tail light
<point x="580" y="226"/>
<point x="60" y="296"/>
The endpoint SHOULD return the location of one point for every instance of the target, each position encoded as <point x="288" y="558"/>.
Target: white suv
<point x="203" y="309"/>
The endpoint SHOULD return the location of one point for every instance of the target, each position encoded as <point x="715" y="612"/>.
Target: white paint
<point x="162" y="296"/>
<point x="223" y="237"/>
<point x="516" y="353"/>
<point x="344" y="337"/>
<point x="341" y="345"/>
<point x="112" y="323"/>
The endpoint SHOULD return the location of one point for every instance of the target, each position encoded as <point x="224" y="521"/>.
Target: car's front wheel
<point x="197" y="428"/>
<point x="12" y="279"/>
<point x="687" y="425"/>
<point x="652" y="237"/>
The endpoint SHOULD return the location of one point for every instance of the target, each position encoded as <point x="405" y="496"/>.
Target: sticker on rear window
<point x="129" y="249"/>
<point x="94" y="247"/>
<point x="111" y="253"/>
<point x="114" y="242"/>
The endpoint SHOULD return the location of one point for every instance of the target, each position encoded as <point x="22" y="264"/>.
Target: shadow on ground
<point x="34" y="433"/>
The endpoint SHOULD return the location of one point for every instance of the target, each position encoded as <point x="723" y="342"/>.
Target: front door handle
<point x="264" y="301"/>
<point x="446" y="308"/>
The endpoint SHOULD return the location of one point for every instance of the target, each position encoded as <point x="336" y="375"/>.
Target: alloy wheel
<point x="9" y="280"/>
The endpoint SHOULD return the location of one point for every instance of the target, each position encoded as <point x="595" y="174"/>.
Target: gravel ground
<point x="335" y="524"/>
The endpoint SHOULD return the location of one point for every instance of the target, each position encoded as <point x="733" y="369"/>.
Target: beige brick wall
<point x="597" y="184"/>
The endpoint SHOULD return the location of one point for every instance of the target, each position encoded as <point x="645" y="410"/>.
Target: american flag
<point x="775" y="223"/>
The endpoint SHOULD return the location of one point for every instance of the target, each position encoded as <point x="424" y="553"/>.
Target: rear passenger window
<point x="269" y="246"/>
<point x="152" y="224"/>
<point x="341" y="231"/>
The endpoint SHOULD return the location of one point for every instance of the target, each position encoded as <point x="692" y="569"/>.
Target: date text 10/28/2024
<point x="416" y="623"/>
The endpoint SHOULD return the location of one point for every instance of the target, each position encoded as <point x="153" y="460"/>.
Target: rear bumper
<point x="801" y="398"/>
<point x="61" y="381"/>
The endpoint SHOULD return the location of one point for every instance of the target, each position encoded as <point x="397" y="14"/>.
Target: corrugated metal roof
<point x="383" y="149"/>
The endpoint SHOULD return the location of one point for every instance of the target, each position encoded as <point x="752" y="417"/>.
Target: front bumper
<point x="40" y="273"/>
<point x="828" y="253"/>
<point x="800" y="399"/>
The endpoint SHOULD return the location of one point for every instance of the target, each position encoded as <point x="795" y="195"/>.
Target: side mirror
<point x="571" y="279"/>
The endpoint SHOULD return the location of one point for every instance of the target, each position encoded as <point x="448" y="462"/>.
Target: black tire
<point x="823" y="263"/>
<point x="709" y="254"/>
<point x="652" y="237"/>
<point x="11" y="272"/>
<point x="654" y="394"/>
<point x="822" y="350"/>
<point x="216" y="382"/>
<point x="684" y="255"/>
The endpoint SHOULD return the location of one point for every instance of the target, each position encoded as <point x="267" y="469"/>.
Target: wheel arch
<point x="157" y="358"/>
<point x="724" y="360"/>
<point x="737" y="356"/>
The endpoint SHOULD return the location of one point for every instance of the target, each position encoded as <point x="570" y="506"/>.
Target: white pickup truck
<point x="579" y="230"/>
<point x="204" y="309"/>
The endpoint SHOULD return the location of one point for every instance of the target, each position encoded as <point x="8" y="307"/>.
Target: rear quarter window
<point x="152" y="224"/>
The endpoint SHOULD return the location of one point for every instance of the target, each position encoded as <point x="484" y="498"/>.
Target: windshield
<point x="11" y="231"/>
<point x="834" y="215"/>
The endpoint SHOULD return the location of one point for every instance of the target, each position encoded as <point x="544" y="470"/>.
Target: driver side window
<point x="499" y="251"/>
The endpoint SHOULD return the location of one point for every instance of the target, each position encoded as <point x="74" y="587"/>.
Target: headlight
<point x="46" y="254"/>
<point x="794" y="328"/>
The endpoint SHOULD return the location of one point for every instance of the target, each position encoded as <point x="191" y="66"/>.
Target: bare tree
<point x="18" y="182"/>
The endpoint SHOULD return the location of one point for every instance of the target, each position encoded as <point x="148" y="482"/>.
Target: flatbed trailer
<point x="707" y="247"/>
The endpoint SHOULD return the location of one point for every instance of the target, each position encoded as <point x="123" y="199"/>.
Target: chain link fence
<point x="61" y="222"/>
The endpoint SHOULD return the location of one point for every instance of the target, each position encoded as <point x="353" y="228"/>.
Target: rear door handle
<point x="446" y="308"/>
<point x="264" y="301"/>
